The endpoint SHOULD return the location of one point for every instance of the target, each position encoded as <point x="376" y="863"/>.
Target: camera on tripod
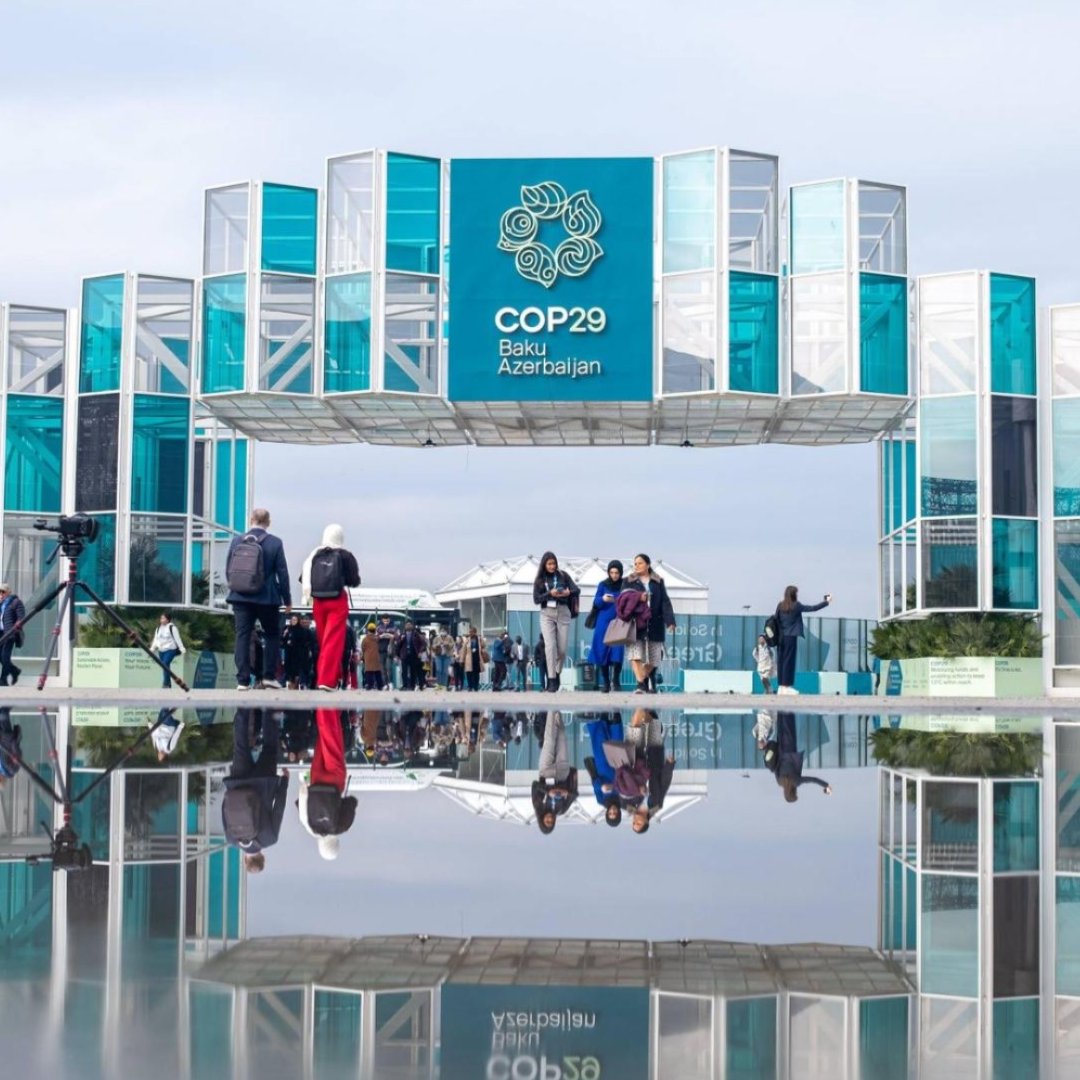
<point x="73" y="532"/>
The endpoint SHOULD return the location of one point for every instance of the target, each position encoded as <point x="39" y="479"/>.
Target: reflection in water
<point x="142" y="965"/>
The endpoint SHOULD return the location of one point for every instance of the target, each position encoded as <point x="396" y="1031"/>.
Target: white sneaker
<point x="243" y="686"/>
<point x="270" y="684"/>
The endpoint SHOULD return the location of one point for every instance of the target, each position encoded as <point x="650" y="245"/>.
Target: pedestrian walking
<point x="412" y="648"/>
<point x="521" y="662"/>
<point x="557" y="595"/>
<point x="258" y="579"/>
<point x="369" y="654"/>
<point x="12" y="614"/>
<point x="498" y="662"/>
<point x="607" y="658"/>
<point x="472" y="657"/>
<point x="167" y="646"/>
<point x="328" y="574"/>
<point x="789" y="613"/>
<point x="765" y="661"/>
<point x="646" y="653"/>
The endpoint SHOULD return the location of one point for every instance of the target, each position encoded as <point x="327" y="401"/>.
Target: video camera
<point x="73" y="533"/>
<point x="68" y="853"/>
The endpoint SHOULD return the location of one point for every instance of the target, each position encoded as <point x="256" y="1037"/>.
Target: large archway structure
<point x="681" y="300"/>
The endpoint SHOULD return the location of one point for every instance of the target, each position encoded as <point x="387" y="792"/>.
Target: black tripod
<point x="65" y="849"/>
<point x="72" y="547"/>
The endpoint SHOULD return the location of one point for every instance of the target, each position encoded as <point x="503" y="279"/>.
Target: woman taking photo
<point x="789" y="613"/>
<point x="646" y="653"/>
<point x="557" y="596"/>
<point x="607" y="658"/>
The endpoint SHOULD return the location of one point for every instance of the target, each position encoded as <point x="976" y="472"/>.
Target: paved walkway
<point x="23" y="696"/>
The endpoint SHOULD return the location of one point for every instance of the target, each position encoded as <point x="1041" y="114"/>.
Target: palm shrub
<point x="968" y="634"/>
<point x="950" y="753"/>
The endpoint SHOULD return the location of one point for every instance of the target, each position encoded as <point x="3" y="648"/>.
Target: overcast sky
<point x="115" y="115"/>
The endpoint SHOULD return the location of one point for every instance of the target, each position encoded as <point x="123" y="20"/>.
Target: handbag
<point x="590" y="619"/>
<point x="621" y="632"/>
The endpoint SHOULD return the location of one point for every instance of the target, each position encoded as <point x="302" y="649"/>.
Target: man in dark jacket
<point x="255" y="794"/>
<point x="260" y="607"/>
<point x="11" y="612"/>
<point x="412" y="648"/>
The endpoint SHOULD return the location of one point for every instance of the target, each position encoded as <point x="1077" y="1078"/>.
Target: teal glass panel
<point x="1067" y="591"/>
<point x="1014" y="456"/>
<point x="911" y="925"/>
<point x="151" y="918"/>
<point x="26" y="892"/>
<point x="224" y="329"/>
<point x="97" y="567"/>
<point x="883" y="1038"/>
<point x="1067" y="457"/>
<point x="289" y="228"/>
<point x="1016" y="1039"/>
<point x="898" y="483"/>
<point x="1012" y="334"/>
<point x="883" y="341"/>
<point x="412" y="213"/>
<point x="216" y="894"/>
<point x="211" y="1010"/>
<point x="222" y="482"/>
<point x="1016" y="826"/>
<point x="817" y="227"/>
<point x="690" y="212"/>
<point x="1067" y="923"/>
<point x="240" y="512"/>
<point x="102" y="316"/>
<point x="751" y="1039"/>
<point x="33" y="453"/>
<point x="1016" y="563"/>
<point x="348" y="334"/>
<point x="950" y="935"/>
<point x="754" y="333"/>
<point x="950" y="563"/>
<point x="949" y="466"/>
<point x="337" y="1032"/>
<point x="232" y="915"/>
<point x="156" y="559"/>
<point x="159" y="462"/>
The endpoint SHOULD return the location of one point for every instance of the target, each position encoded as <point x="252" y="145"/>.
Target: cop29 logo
<point x="519" y="233"/>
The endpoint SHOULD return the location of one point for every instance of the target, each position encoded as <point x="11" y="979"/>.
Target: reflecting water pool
<point x="538" y="896"/>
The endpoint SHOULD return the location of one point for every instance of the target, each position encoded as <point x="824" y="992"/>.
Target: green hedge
<point x="975" y="634"/>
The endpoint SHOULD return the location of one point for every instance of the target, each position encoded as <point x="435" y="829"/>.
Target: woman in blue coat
<point x="607" y="658"/>
<point x="789" y="613"/>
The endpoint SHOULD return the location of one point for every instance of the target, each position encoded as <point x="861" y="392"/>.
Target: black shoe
<point x="590" y="767"/>
<point x="15" y="673"/>
<point x="552" y="685"/>
<point x="558" y="681"/>
<point x="606" y="688"/>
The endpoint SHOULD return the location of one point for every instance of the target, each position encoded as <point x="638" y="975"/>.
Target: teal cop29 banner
<point x="551" y="279"/>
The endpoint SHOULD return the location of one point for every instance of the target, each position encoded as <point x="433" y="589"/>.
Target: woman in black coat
<point x="789" y="613"/>
<point x="646" y="653"/>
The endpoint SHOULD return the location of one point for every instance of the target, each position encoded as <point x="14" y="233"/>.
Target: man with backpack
<point x="255" y="794"/>
<point x="258" y="580"/>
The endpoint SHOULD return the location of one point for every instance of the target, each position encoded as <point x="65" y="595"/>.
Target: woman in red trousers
<point x="328" y="574"/>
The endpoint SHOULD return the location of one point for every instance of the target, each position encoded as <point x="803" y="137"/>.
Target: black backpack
<point x="240" y="812"/>
<point x="244" y="573"/>
<point x="329" y="813"/>
<point x="327" y="574"/>
<point x="772" y="627"/>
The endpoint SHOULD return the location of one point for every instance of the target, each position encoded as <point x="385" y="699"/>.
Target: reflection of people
<point x="10" y="743"/>
<point x="325" y="811"/>
<point x="12" y="612"/>
<point x="787" y="759"/>
<point x="608" y="728"/>
<point x="556" y="789"/>
<point x="642" y="774"/>
<point x="607" y="658"/>
<point x="255" y="794"/>
<point x="166" y="735"/>
<point x="168" y="645"/>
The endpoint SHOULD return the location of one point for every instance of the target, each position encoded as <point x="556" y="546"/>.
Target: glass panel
<point x="211" y="1031"/>
<point x="350" y="214"/>
<point x="1067" y="458"/>
<point x="36" y="350"/>
<point x="1067" y="591"/>
<point x="98" y="565"/>
<point x="223" y="482"/>
<point x="949" y="1042"/>
<point x="286" y="334"/>
<point x="1015" y="454"/>
<point x="1016" y="826"/>
<point x="411" y="335"/>
<point x="882" y="228"/>
<point x="950" y="831"/>
<point x="690" y="211"/>
<point x="817" y="227"/>
<point x="685" y="1030"/>
<point x="163" y="334"/>
<point x="225" y="240"/>
<point x="347" y="365"/>
<point x="156" y="569"/>
<point x="102" y="316"/>
<point x="689" y="359"/>
<point x="289" y="227"/>
<point x="818" y="1038"/>
<point x="1065" y="349"/>
<point x="33" y="453"/>
<point x="1016" y="936"/>
<point x="1016" y="1039"/>
<point x="883" y="346"/>
<point x="753" y="334"/>
<point x="819" y="335"/>
<point x="336" y="1035"/>
<point x="151" y="918"/>
<point x="1067" y="930"/>
<point x="1012" y="334"/>
<point x="26" y="550"/>
<point x="751" y="1039"/>
<point x="1016" y="564"/>
<point x="752" y="239"/>
<point x="240" y="507"/>
<point x="949" y="935"/>
<point x="1068" y="799"/>
<point x="948" y="332"/>
<point x="97" y="448"/>
<point x="160" y="431"/>
<point x="898" y="481"/>
<point x="224" y="326"/>
<point x="412" y="213"/>
<point x="948" y="450"/>
<point x="883" y="1038"/>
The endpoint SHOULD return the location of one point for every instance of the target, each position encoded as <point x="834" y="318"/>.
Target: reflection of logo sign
<point x="520" y="227"/>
